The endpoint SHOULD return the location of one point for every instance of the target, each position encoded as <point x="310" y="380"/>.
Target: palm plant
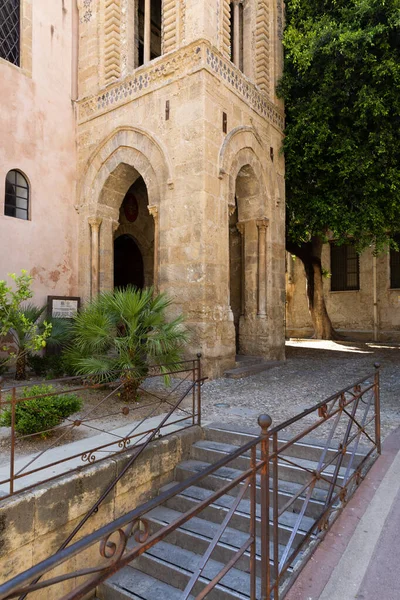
<point x="120" y="333"/>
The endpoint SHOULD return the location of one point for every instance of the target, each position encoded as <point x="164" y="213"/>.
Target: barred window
<point x="345" y="268"/>
<point x="395" y="266"/>
<point x="17" y="196"/>
<point x="10" y="30"/>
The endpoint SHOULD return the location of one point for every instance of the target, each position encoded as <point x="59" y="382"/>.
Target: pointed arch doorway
<point x="128" y="263"/>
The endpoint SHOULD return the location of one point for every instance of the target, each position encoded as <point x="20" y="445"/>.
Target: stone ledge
<point x="173" y="66"/>
<point x="35" y="522"/>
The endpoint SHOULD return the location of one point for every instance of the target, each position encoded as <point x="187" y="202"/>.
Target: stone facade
<point x="360" y="314"/>
<point x="162" y="112"/>
<point x="37" y="137"/>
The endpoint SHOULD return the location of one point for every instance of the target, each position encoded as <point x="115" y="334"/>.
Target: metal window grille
<point x="345" y="268"/>
<point x="17" y="196"/>
<point x="395" y="266"/>
<point x="10" y="30"/>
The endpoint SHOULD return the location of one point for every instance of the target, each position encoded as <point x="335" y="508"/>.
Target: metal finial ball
<point x="377" y="365"/>
<point x="264" y="421"/>
<point x="198" y="355"/>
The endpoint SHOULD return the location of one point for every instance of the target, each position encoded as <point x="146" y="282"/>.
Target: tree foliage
<point x="341" y="87"/>
<point x="21" y="321"/>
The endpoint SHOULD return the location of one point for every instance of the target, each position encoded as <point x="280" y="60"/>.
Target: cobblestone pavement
<point x="313" y="370"/>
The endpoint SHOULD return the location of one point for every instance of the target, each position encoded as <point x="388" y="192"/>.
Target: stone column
<point x="95" y="223"/>
<point x="147" y="31"/>
<point x="153" y="210"/>
<point x="236" y="33"/>
<point x="262" y="225"/>
<point x="241" y="229"/>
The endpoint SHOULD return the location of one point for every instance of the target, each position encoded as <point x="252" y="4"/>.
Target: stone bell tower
<point x="181" y="176"/>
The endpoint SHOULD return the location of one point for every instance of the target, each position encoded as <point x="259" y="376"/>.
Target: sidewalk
<point x="359" y="559"/>
<point x="79" y="447"/>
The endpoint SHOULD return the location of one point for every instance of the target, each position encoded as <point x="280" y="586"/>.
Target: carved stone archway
<point x="117" y="163"/>
<point x="249" y="186"/>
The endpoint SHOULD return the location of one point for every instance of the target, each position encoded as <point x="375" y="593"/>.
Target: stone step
<point x="196" y="535"/>
<point x="244" y="359"/>
<point x="221" y="477"/>
<point x="175" y="565"/>
<point x="240" y="520"/>
<point x="298" y="471"/>
<point x="307" y="449"/>
<point x="131" y="584"/>
<point x="246" y="370"/>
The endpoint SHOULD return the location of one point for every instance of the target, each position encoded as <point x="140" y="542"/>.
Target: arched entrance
<point x="134" y="239"/>
<point x="128" y="263"/>
<point x="247" y="263"/>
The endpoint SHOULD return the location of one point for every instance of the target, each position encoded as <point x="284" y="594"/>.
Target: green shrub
<point x="41" y="413"/>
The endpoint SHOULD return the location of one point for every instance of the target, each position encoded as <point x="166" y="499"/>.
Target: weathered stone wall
<point x="191" y="168"/>
<point x="34" y="524"/>
<point x="37" y="133"/>
<point x="351" y="311"/>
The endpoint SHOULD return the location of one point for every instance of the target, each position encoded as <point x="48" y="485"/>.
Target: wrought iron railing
<point x="272" y="552"/>
<point x="164" y="393"/>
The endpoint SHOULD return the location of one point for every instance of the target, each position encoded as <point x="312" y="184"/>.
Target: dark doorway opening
<point x="235" y="272"/>
<point x="128" y="263"/>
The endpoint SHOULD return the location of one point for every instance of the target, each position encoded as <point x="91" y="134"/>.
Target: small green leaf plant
<point x="20" y="321"/>
<point x="42" y="412"/>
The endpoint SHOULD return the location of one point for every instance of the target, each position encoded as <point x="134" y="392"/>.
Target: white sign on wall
<point x="63" y="307"/>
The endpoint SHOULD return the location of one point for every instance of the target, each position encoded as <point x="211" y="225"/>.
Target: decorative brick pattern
<point x="235" y="78"/>
<point x="88" y="13"/>
<point x="226" y="28"/>
<point x="182" y="21"/>
<point x="262" y="47"/>
<point x="198" y="55"/>
<point x="169" y="25"/>
<point x="112" y="40"/>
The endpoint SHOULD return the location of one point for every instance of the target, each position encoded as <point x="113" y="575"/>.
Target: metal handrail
<point x="117" y="444"/>
<point x="260" y="475"/>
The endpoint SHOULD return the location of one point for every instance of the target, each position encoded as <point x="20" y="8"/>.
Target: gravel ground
<point x="313" y="370"/>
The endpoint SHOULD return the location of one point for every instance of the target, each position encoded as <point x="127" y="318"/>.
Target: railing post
<point x="12" y="450"/>
<point x="264" y="422"/>
<point x="194" y="374"/>
<point x="377" y="408"/>
<point x="253" y="527"/>
<point x="199" y="389"/>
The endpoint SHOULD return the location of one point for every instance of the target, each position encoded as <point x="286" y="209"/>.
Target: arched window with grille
<point x="10" y="16"/>
<point x="16" y="202"/>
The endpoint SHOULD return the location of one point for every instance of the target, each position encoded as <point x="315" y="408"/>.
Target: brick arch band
<point x="133" y="147"/>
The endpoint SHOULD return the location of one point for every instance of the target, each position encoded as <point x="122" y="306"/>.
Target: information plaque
<point x="63" y="307"/>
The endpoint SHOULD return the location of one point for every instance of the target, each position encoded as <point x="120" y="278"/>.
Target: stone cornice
<point x="174" y="66"/>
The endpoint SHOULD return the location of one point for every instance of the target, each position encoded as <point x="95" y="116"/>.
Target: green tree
<point x="341" y="86"/>
<point x="119" y="333"/>
<point x="21" y="322"/>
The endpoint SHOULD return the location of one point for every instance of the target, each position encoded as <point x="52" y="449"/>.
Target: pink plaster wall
<point x="37" y="136"/>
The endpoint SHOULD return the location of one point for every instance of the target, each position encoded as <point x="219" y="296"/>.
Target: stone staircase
<point x="164" y="571"/>
<point x="250" y="365"/>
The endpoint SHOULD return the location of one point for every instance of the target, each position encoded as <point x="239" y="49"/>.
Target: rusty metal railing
<point x="21" y="472"/>
<point x="284" y="521"/>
